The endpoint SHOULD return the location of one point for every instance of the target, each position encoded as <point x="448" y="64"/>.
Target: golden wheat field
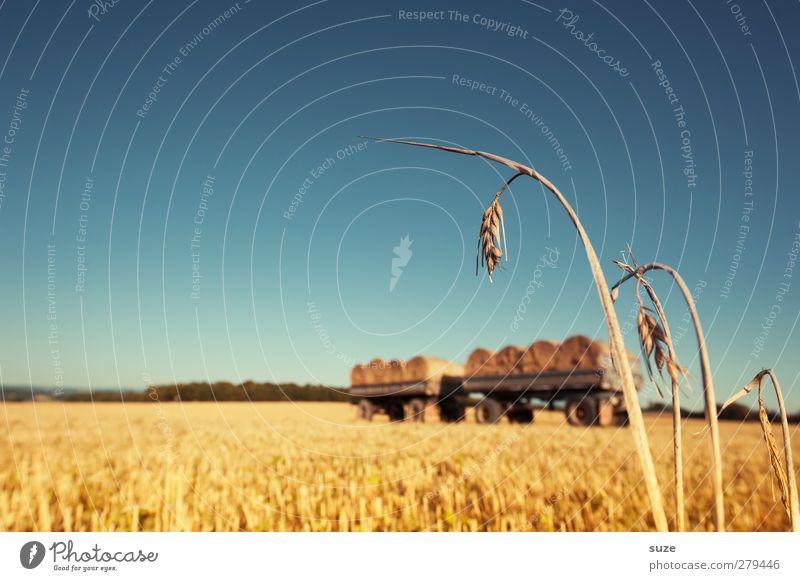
<point x="313" y="467"/>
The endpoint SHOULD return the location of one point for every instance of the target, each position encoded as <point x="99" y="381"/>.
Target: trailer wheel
<point x="452" y="412"/>
<point x="581" y="411"/>
<point x="488" y="411"/>
<point x="396" y="411"/>
<point x="621" y="418"/>
<point x="416" y="410"/>
<point x="520" y="416"/>
<point x="365" y="410"/>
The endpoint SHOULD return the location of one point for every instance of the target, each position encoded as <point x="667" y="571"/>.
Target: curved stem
<point x="708" y="384"/>
<point x="630" y="394"/>
<point x="508" y="183"/>
<point x="794" y="504"/>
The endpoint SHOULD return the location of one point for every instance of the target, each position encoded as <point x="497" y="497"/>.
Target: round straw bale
<point x="539" y="356"/>
<point x="571" y="352"/>
<point x="477" y="361"/>
<point x="375" y="371"/>
<point x="507" y="360"/>
<point x="357" y="375"/>
<point x="425" y="368"/>
<point x="394" y="372"/>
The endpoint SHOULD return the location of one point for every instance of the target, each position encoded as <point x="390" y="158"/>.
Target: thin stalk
<point x="708" y="385"/>
<point x="794" y="504"/>
<point x="630" y="394"/>
<point x="677" y="427"/>
<point x="677" y="445"/>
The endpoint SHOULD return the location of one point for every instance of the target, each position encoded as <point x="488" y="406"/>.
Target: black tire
<point x="621" y="418"/>
<point x="396" y="412"/>
<point x="365" y="410"/>
<point x="416" y="410"/>
<point x="452" y="412"/>
<point x="581" y="411"/>
<point x="520" y="416"/>
<point x="489" y="411"/>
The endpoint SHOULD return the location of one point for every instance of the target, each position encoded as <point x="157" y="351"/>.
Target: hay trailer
<point x="588" y="396"/>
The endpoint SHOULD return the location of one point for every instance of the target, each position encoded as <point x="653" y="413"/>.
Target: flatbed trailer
<point x="400" y="401"/>
<point x="590" y="396"/>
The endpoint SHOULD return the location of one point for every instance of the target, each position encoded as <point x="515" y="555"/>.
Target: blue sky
<point x="212" y="212"/>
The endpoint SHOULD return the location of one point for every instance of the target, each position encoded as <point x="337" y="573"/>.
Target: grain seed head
<point x="772" y="446"/>
<point x="652" y="336"/>
<point x="491" y="248"/>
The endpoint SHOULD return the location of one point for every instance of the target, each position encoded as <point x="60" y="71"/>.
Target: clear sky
<point x="184" y="194"/>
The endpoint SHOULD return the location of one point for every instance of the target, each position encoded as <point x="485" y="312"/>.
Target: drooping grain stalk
<point x="653" y="336"/>
<point x="708" y="384"/>
<point x="787" y="481"/>
<point x="630" y="394"/>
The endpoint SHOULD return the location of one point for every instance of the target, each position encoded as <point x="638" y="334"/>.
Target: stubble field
<point x="313" y="467"/>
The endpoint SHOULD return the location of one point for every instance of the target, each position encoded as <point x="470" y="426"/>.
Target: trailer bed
<point x="408" y="389"/>
<point x="580" y="379"/>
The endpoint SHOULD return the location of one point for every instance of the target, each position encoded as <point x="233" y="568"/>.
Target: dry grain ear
<point x="773" y="452"/>
<point x="490" y="251"/>
<point x="675" y="369"/>
<point x="644" y="332"/>
<point x="493" y="230"/>
<point x="651" y="339"/>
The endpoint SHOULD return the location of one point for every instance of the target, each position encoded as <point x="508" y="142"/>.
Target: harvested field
<point x="295" y="467"/>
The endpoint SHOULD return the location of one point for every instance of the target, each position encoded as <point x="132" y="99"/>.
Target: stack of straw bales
<point x="577" y="351"/>
<point x="419" y="368"/>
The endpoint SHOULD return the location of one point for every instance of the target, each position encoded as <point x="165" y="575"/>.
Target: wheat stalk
<point x="630" y="394"/>
<point x="708" y="383"/>
<point x="656" y="341"/>
<point x="787" y="482"/>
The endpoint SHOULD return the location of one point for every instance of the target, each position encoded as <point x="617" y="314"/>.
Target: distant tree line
<point x="196" y="391"/>
<point x="247" y="391"/>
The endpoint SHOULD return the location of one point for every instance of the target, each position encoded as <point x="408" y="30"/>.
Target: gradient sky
<point x="270" y="98"/>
